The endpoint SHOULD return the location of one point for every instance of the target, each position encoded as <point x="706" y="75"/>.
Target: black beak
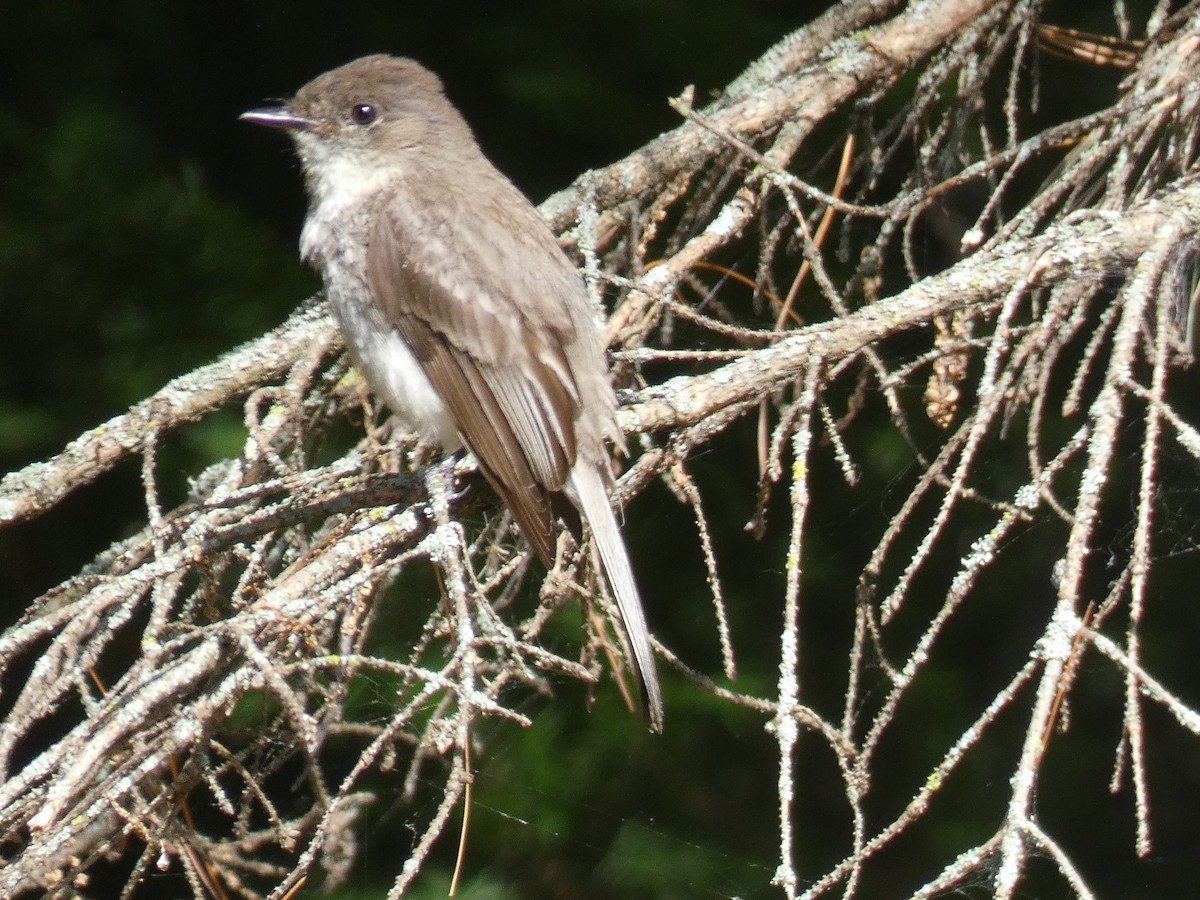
<point x="277" y="117"/>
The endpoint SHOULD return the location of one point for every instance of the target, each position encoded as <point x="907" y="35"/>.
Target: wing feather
<point x="493" y="338"/>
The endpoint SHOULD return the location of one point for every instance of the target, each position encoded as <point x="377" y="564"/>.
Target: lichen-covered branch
<point x="922" y="283"/>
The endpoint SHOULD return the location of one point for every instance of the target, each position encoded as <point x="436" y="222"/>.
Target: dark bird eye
<point x="362" y="114"/>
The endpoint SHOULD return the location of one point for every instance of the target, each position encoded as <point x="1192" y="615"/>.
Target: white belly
<point x="394" y="374"/>
<point x="335" y="240"/>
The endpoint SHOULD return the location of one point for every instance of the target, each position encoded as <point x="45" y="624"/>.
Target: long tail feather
<point x="592" y="497"/>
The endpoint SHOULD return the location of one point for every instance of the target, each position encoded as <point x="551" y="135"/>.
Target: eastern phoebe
<point x="459" y="306"/>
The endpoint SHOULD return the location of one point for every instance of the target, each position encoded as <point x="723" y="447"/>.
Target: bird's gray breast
<point x="334" y="241"/>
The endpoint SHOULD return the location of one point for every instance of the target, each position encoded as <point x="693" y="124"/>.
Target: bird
<point x="461" y="309"/>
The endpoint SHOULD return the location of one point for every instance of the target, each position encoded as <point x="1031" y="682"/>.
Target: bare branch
<point x="1002" y="391"/>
